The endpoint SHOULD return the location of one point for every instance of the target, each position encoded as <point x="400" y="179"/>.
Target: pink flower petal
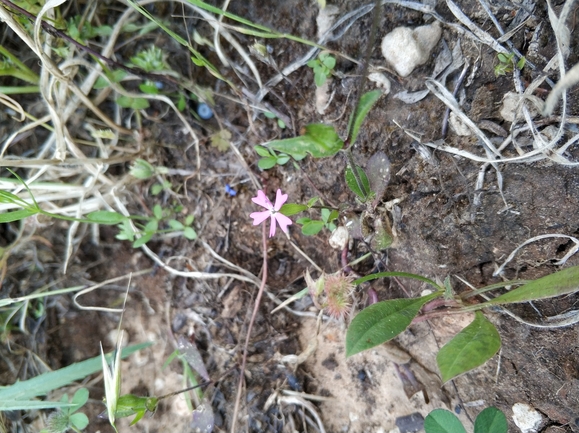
<point x="259" y="217"/>
<point x="262" y="200"/>
<point x="283" y="221"/>
<point x="272" y="226"/>
<point x="280" y="199"/>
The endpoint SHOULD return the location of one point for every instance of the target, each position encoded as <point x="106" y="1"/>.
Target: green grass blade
<point x="41" y="385"/>
<point x="31" y="404"/>
<point x="557" y="284"/>
<point x="398" y="274"/>
<point x="16" y="215"/>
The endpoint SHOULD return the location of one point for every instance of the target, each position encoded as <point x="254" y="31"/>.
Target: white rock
<point x="339" y="238"/>
<point x="512" y="107"/>
<point x="527" y="419"/>
<point x="381" y="81"/>
<point x="458" y="127"/>
<point x="405" y="48"/>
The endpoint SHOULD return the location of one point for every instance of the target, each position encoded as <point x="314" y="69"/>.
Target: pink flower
<point x="272" y="211"/>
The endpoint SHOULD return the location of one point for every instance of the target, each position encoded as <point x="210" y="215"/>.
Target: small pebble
<point x="527" y="419"/>
<point x="405" y="48"/>
<point x="410" y="423"/>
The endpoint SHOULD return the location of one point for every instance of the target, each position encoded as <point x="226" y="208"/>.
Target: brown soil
<point x="440" y="232"/>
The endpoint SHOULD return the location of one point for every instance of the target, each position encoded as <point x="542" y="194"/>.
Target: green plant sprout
<point x="475" y="344"/>
<point x="139" y="237"/>
<point x="269" y="158"/>
<point x="490" y="420"/>
<point x="270" y="115"/>
<point x="507" y="62"/>
<point x="323" y="67"/>
<point x="66" y="419"/>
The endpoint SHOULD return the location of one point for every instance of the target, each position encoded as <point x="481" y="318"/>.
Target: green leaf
<point x="16" y="215"/>
<point x="320" y="78"/>
<point x="176" y="225"/>
<point x="398" y="274"/>
<point x="290" y="209"/>
<point x="312" y="227"/>
<point x="353" y="184"/>
<point x="80" y="398"/>
<point x="329" y="62"/>
<point x="470" y="348"/>
<point x="14" y="397"/>
<point x="557" y="284"/>
<point x="367" y="101"/>
<point x="312" y="201"/>
<point x="303" y="220"/>
<point x="262" y="151"/>
<point x="269" y="114"/>
<point x="325" y="214"/>
<point x="158" y="211"/>
<point x="320" y="141"/>
<point x="148" y="88"/>
<point x="156" y="189"/>
<point x="333" y="215"/>
<point x="106" y="217"/>
<point x="381" y="322"/>
<point x="145" y="237"/>
<point x="283" y="159"/>
<point x="189" y="220"/>
<point x="267" y="163"/>
<point x="491" y="420"/>
<point x="139" y="104"/>
<point x="152" y="226"/>
<point x="189" y="233"/>
<point x="443" y="421"/>
<point x="79" y="420"/>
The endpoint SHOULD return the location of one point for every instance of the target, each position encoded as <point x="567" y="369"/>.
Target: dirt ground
<point x="297" y="372"/>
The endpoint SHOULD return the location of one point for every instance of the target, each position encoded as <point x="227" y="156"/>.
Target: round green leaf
<point x="266" y="163"/>
<point x="470" y="348"/>
<point x="491" y="420"/>
<point x="79" y="420"/>
<point x="443" y="421"/>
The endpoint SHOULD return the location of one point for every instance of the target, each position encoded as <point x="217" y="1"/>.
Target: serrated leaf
<point x="443" y="421"/>
<point x="106" y="217"/>
<point x="320" y="141"/>
<point x="470" y="348"/>
<point x="267" y="163"/>
<point x="353" y="184"/>
<point x="557" y="284"/>
<point x="312" y="227"/>
<point x="221" y="140"/>
<point x="381" y="322"/>
<point x="290" y="209"/>
<point x="367" y="101"/>
<point x="16" y="215"/>
<point x="491" y="420"/>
